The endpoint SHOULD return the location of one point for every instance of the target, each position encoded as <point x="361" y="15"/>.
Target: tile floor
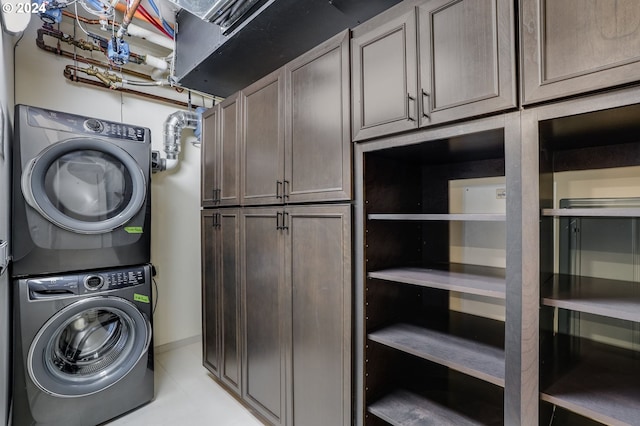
<point x="187" y="395"/>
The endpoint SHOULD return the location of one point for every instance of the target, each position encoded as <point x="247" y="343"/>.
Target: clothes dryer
<point x="81" y="193"/>
<point x="83" y="350"/>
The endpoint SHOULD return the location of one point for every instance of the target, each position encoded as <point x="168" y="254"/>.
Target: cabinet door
<point x="384" y="77"/>
<point x="230" y="327"/>
<point x="210" y="292"/>
<point x="318" y="140"/>
<point x="229" y="153"/>
<point x="209" y="155"/>
<point x="467" y="59"/>
<point x="263" y="141"/>
<point x="575" y="46"/>
<point x="319" y="272"/>
<point x="263" y="312"/>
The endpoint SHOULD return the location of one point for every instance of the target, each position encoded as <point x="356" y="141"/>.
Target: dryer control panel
<point x="39" y="117"/>
<point x="86" y="282"/>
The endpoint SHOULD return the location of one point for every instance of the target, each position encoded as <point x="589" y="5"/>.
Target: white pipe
<point x="157" y="63"/>
<point x="150" y="36"/>
<point x="170" y="164"/>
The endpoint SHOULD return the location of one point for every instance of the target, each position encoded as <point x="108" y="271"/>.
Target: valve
<point x="51" y="11"/>
<point x="118" y="51"/>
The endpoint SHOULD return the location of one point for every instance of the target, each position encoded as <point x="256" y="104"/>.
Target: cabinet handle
<point x="278" y="184"/>
<point x="424" y="110"/>
<point x="278" y="227"/>
<point x="285" y="220"/>
<point x="286" y="187"/>
<point x="216" y="195"/>
<point x="409" y="99"/>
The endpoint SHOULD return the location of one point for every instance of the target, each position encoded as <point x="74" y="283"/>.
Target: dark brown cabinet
<point x="467" y="59"/>
<point x="228" y="153"/>
<point x="296" y="308"/>
<point x="210" y="293"/>
<point x="574" y="46"/>
<point x="317" y="135"/>
<point x="296" y="130"/>
<point x="384" y="76"/>
<point x="220" y="174"/>
<point x="209" y="157"/>
<point x="589" y="308"/>
<point x="263" y="141"/>
<point x="448" y="61"/>
<point x="221" y="295"/>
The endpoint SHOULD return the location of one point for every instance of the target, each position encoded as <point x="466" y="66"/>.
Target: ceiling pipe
<point x="127" y="19"/>
<point x="173" y="127"/>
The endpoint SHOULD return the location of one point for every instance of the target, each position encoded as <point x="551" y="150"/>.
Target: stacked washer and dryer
<point x="82" y="303"/>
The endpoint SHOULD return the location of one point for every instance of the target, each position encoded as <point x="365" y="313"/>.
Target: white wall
<point x="175" y="231"/>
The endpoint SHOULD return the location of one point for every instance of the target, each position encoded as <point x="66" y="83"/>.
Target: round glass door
<point x="88" y="347"/>
<point x="85" y="186"/>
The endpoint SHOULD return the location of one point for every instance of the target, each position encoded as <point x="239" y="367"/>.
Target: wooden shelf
<point x="593" y="212"/>
<point x="404" y="408"/>
<point x="463" y="217"/>
<point x="599" y="296"/>
<point x="469" y="344"/>
<point x="602" y="384"/>
<point x="470" y="279"/>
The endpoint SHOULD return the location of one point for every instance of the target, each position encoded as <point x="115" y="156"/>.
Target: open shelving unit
<point x="427" y="356"/>
<point x="590" y="302"/>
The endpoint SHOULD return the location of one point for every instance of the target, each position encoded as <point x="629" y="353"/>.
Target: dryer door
<point x="88" y="346"/>
<point x="87" y="186"/>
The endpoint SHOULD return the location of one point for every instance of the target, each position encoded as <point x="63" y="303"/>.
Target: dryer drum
<point x="88" y="346"/>
<point x="84" y="187"/>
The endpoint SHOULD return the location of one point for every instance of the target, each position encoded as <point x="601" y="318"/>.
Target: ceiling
<point x="279" y="31"/>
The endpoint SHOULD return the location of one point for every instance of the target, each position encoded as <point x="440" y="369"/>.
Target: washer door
<point x="88" y="346"/>
<point x="86" y="186"/>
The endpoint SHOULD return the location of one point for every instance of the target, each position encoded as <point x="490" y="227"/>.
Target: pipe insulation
<point x="145" y="34"/>
<point x="173" y="127"/>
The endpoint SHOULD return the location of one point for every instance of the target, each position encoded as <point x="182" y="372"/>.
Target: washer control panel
<point x="86" y="282"/>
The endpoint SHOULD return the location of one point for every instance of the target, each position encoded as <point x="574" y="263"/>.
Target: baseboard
<point x="178" y="343"/>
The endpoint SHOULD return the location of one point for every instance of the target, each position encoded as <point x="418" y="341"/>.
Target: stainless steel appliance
<point x="81" y="193"/>
<point x="83" y="351"/>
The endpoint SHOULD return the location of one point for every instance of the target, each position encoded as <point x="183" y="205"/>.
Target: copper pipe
<point x="134" y="57"/>
<point x="70" y="76"/>
<point x="126" y="20"/>
<point x="122" y="8"/>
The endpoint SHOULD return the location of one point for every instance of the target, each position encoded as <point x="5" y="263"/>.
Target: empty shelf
<point x="599" y="296"/>
<point x="478" y="217"/>
<point x="465" y="349"/>
<point x="603" y="385"/>
<point x="470" y="279"/>
<point x="404" y="408"/>
<point x="593" y="212"/>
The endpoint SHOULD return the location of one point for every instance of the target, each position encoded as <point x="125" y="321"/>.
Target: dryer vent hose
<point x="173" y="127"/>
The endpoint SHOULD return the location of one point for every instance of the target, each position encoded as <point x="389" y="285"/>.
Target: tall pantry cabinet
<point x="291" y="244"/>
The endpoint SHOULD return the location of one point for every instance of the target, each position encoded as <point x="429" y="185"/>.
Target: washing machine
<point x="81" y="193"/>
<point x="83" y="350"/>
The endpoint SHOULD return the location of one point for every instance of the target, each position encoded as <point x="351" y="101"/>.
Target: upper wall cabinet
<point x="220" y="184"/>
<point x="454" y="59"/>
<point x="384" y="76"/>
<point x="296" y="141"/>
<point x="263" y="141"/>
<point x="575" y="46"/>
<point x="229" y="153"/>
<point x="467" y="59"/>
<point x="317" y="131"/>
<point x="208" y="186"/>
